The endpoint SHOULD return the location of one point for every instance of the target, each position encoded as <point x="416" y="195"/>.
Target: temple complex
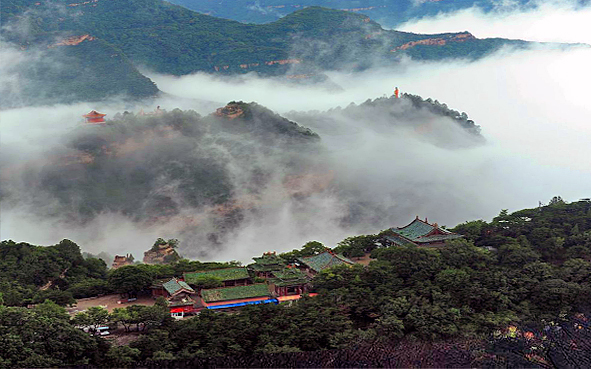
<point x="418" y="233"/>
<point x="94" y="117"/>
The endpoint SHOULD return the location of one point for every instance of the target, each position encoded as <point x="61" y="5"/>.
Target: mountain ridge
<point x="170" y="39"/>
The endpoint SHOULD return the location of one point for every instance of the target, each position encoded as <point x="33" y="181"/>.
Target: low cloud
<point x="543" y="21"/>
<point x="532" y="106"/>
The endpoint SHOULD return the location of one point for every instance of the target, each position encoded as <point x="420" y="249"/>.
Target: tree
<point x="92" y="318"/>
<point x="121" y="356"/>
<point x="312" y="248"/>
<point x="124" y="317"/>
<point x="207" y="281"/>
<point x="44" y="337"/>
<point x="309" y="249"/>
<point x="130" y="279"/>
<point x="515" y="255"/>
<point x="357" y="246"/>
<point x="472" y="230"/>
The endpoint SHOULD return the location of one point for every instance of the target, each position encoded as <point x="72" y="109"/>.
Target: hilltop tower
<point x="94" y="117"/>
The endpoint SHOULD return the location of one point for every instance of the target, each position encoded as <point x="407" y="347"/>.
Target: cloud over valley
<point x="232" y="188"/>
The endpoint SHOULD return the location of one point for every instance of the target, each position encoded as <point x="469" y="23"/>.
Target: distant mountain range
<point x="100" y="38"/>
<point x="387" y="12"/>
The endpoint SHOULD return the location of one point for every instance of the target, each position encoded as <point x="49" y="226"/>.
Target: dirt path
<point x="49" y="283"/>
<point x="109" y="302"/>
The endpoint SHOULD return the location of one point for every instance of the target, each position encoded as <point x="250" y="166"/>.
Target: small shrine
<point x="94" y="117"/>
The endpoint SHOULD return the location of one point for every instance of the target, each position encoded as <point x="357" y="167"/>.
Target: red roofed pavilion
<point x="95" y="117"/>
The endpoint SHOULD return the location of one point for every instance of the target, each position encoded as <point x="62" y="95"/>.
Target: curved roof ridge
<point x="413" y="221"/>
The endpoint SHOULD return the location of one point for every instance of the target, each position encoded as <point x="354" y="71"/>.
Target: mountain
<point x="100" y="38"/>
<point x="387" y="12"/>
<point x="407" y="111"/>
<point x="152" y="168"/>
<point x="204" y="177"/>
<point x="72" y="69"/>
<point x="173" y="40"/>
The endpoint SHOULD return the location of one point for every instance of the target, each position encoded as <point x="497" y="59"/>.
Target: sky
<point x="547" y="21"/>
<point x="532" y="106"/>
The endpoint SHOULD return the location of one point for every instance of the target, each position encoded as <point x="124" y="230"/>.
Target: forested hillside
<point x="95" y="40"/>
<point x="506" y="301"/>
<point x="151" y="168"/>
<point x="205" y="177"/>
<point x="407" y="111"/>
<point x="71" y="70"/>
<point x="171" y="39"/>
<point x="387" y="12"/>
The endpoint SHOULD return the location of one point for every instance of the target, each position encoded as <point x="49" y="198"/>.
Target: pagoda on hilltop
<point x="418" y="233"/>
<point x="94" y="117"/>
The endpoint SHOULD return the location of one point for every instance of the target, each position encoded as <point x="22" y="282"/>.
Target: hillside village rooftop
<point x="230" y="276"/>
<point x="327" y="259"/>
<point x="419" y="233"/>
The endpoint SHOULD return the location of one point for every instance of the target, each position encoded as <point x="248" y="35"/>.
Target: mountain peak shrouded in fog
<point x="207" y="177"/>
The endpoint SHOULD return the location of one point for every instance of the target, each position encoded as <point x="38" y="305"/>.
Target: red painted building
<point x="94" y="117"/>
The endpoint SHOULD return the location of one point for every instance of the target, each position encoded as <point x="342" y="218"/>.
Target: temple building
<point x="227" y="298"/>
<point x="171" y="288"/>
<point x="182" y="299"/>
<point x="229" y="276"/>
<point x="289" y="282"/>
<point x="266" y="265"/>
<point x="312" y="265"/>
<point x="94" y="117"/>
<point x="418" y="233"/>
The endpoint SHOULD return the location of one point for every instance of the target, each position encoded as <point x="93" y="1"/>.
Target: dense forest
<point x="170" y="39"/>
<point x="407" y="111"/>
<point x="388" y="12"/>
<point x="90" y="71"/>
<point x="151" y="167"/>
<point x="90" y="50"/>
<point x="516" y="291"/>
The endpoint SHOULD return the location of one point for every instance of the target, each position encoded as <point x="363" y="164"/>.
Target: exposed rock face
<point x="439" y="41"/>
<point x="120" y="261"/>
<point x="161" y="254"/>
<point x="72" y="41"/>
<point x="230" y="111"/>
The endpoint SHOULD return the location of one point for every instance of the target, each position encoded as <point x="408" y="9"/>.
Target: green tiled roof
<point x="414" y="230"/>
<point x="183" y="302"/>
<point x="400" y="241"/>
<point x="235" y="293"/>
<point x="324" y="260"/>
<point x="229" y="274"/>
<point x="175" y="285"/>
<point x="439" y="237"/>
<point x="417" y="233"/>
<point x="267" y="262"/>
<point x="289" y="277"/>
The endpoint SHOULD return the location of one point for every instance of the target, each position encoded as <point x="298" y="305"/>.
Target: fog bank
<point x="378" y="169"/>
